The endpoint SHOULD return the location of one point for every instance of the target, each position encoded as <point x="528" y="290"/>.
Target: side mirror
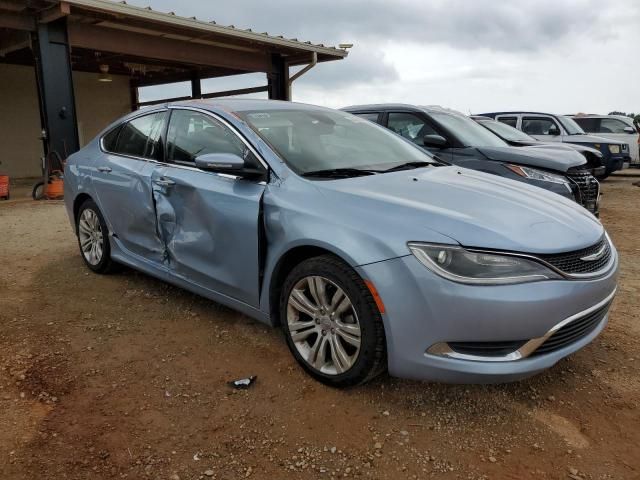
<point x="629" y="130"/>
<point x="437" y="141"/>
<point x="220" y="162"/>
<point x="553" y="131"/>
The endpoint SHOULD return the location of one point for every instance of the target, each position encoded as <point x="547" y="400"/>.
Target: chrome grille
<point x="588" y="188"/>
<point x="573" y="331"/>
<point x="573" y="263"/>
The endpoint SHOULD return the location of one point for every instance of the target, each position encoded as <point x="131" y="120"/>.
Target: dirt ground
<point x="122" y="376"/>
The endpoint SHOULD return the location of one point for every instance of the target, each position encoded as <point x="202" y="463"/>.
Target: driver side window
<point x="410" y="126"/>
<point x="193" y="133"/>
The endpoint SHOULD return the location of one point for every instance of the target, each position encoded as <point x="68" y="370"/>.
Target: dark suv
<point x="560" y="128"/>
<point x="455" y="138"/>
<point x="517" y="138"/>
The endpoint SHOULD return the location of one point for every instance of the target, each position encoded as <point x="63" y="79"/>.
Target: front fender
<point x="298" y="216"/>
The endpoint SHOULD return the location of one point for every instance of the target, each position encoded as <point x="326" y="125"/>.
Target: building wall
<point x="97" y="105"/>
<point x="20" y="145"/>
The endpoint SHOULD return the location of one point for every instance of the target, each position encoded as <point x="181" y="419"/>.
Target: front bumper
<point x="423" y="310"/>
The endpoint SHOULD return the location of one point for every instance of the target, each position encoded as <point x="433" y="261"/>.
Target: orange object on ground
<point x="4" y="187"/>
<point x="54" y="188"/>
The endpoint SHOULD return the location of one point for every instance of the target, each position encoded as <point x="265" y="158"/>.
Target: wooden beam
<point x="164" y="100"/>
<point x="150" y="46"/>
<point x="240" y="91"/>
<point x="163" y="78"/>
<point x="17" y="21"/>
<point x="54" y="13"/>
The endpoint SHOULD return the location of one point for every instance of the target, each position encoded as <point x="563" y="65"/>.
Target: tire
<point x="38" y="191"/>
<point x="332" y="357"/>
<point x="91" y="228"/>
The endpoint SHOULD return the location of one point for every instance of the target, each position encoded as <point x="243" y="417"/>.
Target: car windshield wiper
<point x="410" y="166"/>
<point x="340" y="173"/>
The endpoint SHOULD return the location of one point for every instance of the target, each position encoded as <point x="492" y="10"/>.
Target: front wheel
<point x="331" y="323"/>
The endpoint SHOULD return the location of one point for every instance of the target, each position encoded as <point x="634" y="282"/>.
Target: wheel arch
<point x="286" y="262"/>
<point x="77" y="203"/>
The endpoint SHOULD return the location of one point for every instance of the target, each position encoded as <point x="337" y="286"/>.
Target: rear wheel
<point x="93" y="238"/>
<point x="331" y="323"/>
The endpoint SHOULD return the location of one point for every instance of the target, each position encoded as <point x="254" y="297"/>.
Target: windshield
<point x="467" y="131"/>
<point x="506" y="131"/>
<point x="570" y="125"/>
<point x="316" y="140"/>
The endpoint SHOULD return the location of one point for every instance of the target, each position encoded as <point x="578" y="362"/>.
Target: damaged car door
<point x="122" y="181"/>
<point x="208" y="221"/>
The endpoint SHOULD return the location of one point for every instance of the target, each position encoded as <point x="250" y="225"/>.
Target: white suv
<point x="613" y="127"/>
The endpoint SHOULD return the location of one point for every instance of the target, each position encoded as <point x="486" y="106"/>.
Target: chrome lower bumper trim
<point x="443" y="349"/>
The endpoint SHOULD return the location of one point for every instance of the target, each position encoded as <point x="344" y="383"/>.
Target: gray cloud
<point x="557" y="55"/>
<point x="514" y="25"/>
<point x="362" y="66"/>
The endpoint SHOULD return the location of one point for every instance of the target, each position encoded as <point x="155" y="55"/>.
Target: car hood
<point x="558" y="160"/>
<point x="472" y="208"/>
<point x="587" y="139"/>
<point x="564" y="147"/>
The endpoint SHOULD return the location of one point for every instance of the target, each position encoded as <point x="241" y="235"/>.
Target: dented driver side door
<point x="208" y="222"/>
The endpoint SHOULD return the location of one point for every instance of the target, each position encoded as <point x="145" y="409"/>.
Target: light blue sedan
<point x="368" y="253"/>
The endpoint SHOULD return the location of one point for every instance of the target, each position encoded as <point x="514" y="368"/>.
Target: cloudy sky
<point x="561" y="56"/>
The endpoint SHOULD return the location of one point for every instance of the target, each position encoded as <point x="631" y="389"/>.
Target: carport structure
<point x="61" y="40"/>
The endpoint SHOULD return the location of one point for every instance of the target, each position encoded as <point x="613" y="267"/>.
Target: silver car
<point x="369" y="254"/>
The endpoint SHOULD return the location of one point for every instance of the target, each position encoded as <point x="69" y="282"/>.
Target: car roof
<point x="244" y="104"/>
<point x="381" y="106"/>
<point x="401" y="106"/>
<point x="595" y="115"/>
<point x="521" y="112"/>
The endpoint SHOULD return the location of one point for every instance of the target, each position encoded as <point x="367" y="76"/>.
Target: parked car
<point x="366" y="251"/>
<point x="613" y="127"/>
<point x="560" y="128"/>
<point x="456" y="139"/>
<point x="517" y="138"/>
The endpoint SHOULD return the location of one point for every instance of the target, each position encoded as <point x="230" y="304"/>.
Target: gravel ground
<point x="122" y="376"/>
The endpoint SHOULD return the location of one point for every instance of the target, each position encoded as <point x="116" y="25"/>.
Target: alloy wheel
<point x="323" y="325"/>
<point x="91" y="237"/>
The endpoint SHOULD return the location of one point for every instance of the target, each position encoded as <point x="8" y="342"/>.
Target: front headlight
<point x="614" y="148"/>
<point x="465" y="266"/>
<point x="536" y="174"/>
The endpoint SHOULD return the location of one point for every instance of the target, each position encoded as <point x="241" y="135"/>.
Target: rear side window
<point x="511" y="121"/>
<point x="192" y="134"/>
<point x="371" y="116"/>
<point x="141" y="137"/>
<point x="109" y="141"/>
<point x="587" y="124"/>
<point x="539" y="126"/>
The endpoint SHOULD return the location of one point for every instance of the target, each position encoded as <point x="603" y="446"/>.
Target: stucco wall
<point x="97" y="105"/>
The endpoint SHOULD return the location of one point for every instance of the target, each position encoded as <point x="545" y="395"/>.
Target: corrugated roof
<point x="192" y="23"/>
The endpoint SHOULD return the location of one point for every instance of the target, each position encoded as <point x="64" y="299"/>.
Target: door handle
<point x="164" y="182"/>
<point x="104" y="169"/>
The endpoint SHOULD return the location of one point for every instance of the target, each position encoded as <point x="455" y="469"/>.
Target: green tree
<point x="624" y="114"/>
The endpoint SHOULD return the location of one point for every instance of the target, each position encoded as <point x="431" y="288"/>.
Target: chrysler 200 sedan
<point x="368" y="253"/>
